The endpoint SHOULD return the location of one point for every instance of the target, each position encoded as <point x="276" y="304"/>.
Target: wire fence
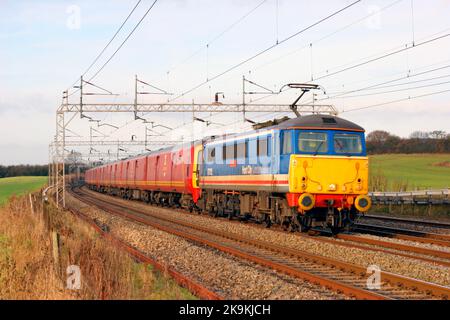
<point x="423" y="197"/>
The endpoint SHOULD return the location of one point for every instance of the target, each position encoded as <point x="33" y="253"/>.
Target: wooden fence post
<point x="31" y="204"/>
<point x="56" y="253"/>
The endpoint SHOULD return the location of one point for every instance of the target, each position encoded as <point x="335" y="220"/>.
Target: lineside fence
<point x="423" y="197"/>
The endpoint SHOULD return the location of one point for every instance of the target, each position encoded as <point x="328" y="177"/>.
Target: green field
<point x="19" y="185"/>
<point x="411" y="171"/>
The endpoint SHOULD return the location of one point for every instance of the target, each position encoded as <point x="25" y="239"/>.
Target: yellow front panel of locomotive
<point x="328" y="174"/>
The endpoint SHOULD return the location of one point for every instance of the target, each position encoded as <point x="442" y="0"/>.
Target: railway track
<point x="404" y="234"/>
<point x="434" y="224"/>
<point x="396" y="246"/>
<point x="336" y="275"/>
<point x="194" y="287"/>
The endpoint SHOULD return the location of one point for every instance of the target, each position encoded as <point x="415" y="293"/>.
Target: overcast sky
<point x="46" y="45"/>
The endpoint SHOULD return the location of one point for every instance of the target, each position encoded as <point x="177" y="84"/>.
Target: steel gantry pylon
<point x="58" y="152"/>
<point x="59" y="159"/>
<point x="58" y="147"/>
<point x="186" y="107"/>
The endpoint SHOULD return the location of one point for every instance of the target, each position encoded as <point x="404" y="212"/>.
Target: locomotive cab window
<point x="241" y="151"/>
<point x="263" y="149"/>
<point x="313" y="142"/>
<point x="287" y="142"/>
<point x="229" y="151"/>
<point x="347" y="143"/>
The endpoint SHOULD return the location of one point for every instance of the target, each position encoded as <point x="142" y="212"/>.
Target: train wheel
<point x="285" y="224"/>
<point x="293" y="227"/>
<point x="267" y="221"/>
<point x="220" y="211"/>
<point x="305" y="223"/>
<point x="336" y="230"/>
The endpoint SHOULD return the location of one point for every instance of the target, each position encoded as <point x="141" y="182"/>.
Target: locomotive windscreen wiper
<point x="318" y="147"/>
<point x="341" y="147"/>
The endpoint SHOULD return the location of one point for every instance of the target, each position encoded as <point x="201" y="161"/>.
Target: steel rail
<point x="404" y="234"/>
<point x="390" y="278"/>
<point x="392" y="245"/>
<point x="352" y="244"/>
<point x="278" y="266"/>
<point x="184" y="281"/>
<point x="436" y="224"/>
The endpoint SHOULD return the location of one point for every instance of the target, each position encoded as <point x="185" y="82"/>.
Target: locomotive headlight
<point x="332" y="187"/>
<point x="363" y="203"/>
<point x="306" y="201"/>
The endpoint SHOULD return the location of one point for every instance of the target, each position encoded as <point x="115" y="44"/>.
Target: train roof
<point x="310" y="122"/>
<point x="318" y="121"/>
<point x="315" y="121"/>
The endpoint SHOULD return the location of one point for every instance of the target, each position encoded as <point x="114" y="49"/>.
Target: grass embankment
<point x="28" y="269"/>
<point x="400" y="172"/>
<point x="19" y="185"/>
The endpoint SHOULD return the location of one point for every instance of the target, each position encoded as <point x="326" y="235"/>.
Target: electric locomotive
<point x="306" y="172"/>
<point x="303" y="173"/>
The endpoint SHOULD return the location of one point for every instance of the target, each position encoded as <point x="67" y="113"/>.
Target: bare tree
<point x="419" y="135"/>
<point x="438" y="134"/>
<point x="378" y="136"/>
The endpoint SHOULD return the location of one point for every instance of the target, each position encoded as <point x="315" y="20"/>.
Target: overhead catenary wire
<point x="384" y="56"/>
<point x="398" y="90"/>
<point x="210" y="42"/>
<point x="378" y="88"/>
<point x="310" y="44"/>
<point x="327" y="36"/>
<point x="123" y="43"/>
<point x="217" y="37"/>
<point x="378" y="58"/>
<point x="381" y="85"/>
<point x="406" y="48"/>
<point x="107" y="45"/>
<point x="266" y="49"/>
<point x="409" y="74"/>
<point x="365" y="17"/>
<point x="396" y="101"/>
<point x="413" y="23"/>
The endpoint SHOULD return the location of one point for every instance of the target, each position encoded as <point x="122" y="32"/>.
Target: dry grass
<point x="27" y="269"/>
<point x="380" y="183"/>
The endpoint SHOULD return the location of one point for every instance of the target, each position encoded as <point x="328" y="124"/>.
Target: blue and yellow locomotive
<point x="306" y="172"/>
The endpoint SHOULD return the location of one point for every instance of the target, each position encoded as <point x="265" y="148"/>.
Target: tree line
<point x="418" y="142"/>
<point x="23" y="170"/>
